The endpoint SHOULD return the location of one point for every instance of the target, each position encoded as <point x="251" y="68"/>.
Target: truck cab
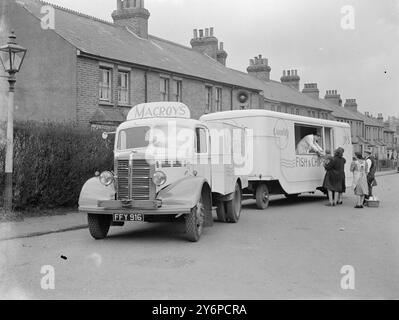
<point x="163" y="171"/>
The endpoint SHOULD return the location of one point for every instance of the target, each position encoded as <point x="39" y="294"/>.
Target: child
<point x="359" y="169"/>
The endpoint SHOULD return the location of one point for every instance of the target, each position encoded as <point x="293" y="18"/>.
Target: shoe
<point x="340" y="203"/>
<point x="330" y="205"/>
<point x="359" y="207"/>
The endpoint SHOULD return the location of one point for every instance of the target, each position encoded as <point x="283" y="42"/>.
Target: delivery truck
<point x="168" y="167"/>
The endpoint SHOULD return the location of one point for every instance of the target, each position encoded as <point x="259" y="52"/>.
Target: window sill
<point x="121" y="105"/>
<point x="106" y="104"/>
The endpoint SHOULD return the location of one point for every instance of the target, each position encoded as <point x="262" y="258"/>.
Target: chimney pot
<point x="212" y="31"/>
<point x="221" y="46"/>
<point x="195" y="34"/>
<point x="206" y="32"/>
<point x="201" y="33"/>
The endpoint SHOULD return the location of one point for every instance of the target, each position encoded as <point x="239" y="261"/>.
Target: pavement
<point x="40" y="226"/>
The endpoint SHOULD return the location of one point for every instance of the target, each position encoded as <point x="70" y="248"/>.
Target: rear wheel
<point x="99" y="225"/>
<point x="262" y="197"/>
<point x="195" y="222"/>
<point x="234" y="206"/>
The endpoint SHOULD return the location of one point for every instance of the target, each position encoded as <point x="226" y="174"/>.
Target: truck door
<point x="202" y="153"/>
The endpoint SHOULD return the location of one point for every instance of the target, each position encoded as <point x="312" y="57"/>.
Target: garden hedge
<point x="52" y="161"/>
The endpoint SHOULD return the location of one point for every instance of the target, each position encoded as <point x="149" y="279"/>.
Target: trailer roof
<point x="256" y="113"/>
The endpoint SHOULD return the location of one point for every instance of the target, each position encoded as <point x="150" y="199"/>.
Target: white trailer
<point x="277" y="168"/>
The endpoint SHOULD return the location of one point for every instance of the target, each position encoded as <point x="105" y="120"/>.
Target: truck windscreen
<point x="164" y="137"/>
<point x="134" y="138"/>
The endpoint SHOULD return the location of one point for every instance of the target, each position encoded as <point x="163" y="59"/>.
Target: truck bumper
<point x="151" y="207"/>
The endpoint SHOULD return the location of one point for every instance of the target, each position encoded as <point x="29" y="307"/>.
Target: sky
<point x="361" y="61"/>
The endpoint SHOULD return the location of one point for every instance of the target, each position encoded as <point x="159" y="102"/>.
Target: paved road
<point x="293" y="250"/>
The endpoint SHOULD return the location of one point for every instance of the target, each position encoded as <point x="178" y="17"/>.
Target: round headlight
<point x="106" y="178"/>
<point x="159" y="178"/>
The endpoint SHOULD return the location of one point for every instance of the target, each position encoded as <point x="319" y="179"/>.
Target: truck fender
<point x="94" y="191"/>
<point x="187" y="192"/>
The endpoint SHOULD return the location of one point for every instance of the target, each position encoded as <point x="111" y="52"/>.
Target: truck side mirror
<point x="107" y="134"/>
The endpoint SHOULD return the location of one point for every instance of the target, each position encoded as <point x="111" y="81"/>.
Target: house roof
<point x="105" y="39"/>
<point x="341" y="112"/>
<point x="367" y="120"/>
<point x="276" y="91"/>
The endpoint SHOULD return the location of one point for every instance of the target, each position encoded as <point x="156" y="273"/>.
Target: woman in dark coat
<point x="334" y="181"/>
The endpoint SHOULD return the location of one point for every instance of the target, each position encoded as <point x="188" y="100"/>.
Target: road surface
<point x="296" y="249"/>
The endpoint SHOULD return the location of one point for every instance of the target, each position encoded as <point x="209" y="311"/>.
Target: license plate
<point x="128" y="217"/>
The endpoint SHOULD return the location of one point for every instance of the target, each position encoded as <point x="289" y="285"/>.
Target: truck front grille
<point x="133" y="183"/>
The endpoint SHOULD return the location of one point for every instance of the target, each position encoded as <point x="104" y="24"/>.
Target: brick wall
<point x="193" y="91"/>
<point x="87" y="89"/>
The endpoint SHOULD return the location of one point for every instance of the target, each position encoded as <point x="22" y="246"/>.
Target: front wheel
<point x="262" y="197"/>
<point x="195" y="222"/>
<point x="99" y="225"/>
<point x="234" y="207"/>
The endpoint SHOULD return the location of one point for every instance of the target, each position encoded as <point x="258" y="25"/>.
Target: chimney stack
<point x="259" y="68"/>
<point x="311" y="90"/>
<point x="132" y="14"/>
<point x="351" y="105"/>
<point x="291" y="79"/>
<point x="205" y="42"/>
<point x="222" y="54"/>
<point x="333" y="97"/>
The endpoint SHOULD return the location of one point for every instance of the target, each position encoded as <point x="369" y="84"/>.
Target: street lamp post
<point x="11" y="57"/>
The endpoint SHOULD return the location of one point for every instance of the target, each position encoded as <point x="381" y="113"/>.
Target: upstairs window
<point x="178" y="88"/>
<point x="123" y="87"/>
<point x="208" y="98"/>
<point x="164" y="89"/>
<point x="105" y="84"/>
<point x="218" y="99"/>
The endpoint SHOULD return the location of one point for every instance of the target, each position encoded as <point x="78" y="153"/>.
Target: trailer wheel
<point x="262" y="197"/>
<point x="195" y="222"/>
<point x="221" y="211"/>
<point x="99" y="225"/>
<point x="234" y="207"/>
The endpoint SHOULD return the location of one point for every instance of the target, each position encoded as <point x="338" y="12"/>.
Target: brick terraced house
<point x="93" y="71"/>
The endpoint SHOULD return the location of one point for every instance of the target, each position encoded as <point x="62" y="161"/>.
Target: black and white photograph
<point x="207" y="151"/>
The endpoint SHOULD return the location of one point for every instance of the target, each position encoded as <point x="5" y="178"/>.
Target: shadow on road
<point x="155" y="232"/>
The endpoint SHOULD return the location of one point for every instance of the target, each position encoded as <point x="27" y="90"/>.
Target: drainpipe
<point x="146" y="86"/>
<point x="232" y="95"/>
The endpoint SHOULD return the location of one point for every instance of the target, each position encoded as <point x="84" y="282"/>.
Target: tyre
<point x="195" y="222"/>
<point x="234" y="207"/>
<point x="262" y="197"/>
<point x="99" y="225"/>
<point x="221" y="211"/>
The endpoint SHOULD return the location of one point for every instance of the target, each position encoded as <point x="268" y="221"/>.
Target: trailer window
<point x="302" y="134"/>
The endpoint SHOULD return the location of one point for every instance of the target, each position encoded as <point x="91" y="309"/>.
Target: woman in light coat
<point x="360" y="184"/>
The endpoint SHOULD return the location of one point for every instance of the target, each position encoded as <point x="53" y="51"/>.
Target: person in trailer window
<point x="310" y="144"/>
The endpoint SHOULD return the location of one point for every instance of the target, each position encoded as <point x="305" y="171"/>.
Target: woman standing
<point x="334" y="181"/>
<point x="360" y="184"/>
